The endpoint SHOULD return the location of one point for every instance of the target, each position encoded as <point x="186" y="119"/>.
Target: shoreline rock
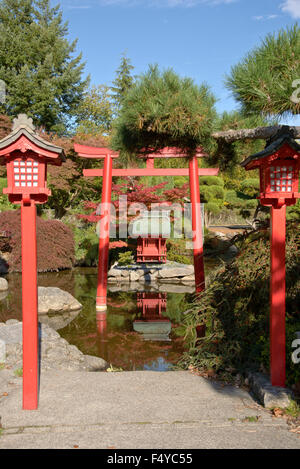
<point x="55" y="352"/>
<point x="171" y="272"/>
<point x="3" y="284"/>
<point x="55" y="300"/>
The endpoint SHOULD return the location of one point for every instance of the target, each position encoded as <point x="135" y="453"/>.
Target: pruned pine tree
<point x="267" y="80"/>
<point x="162" y="110"/>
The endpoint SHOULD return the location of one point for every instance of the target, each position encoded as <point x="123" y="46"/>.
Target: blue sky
<point x="200" y="39"/>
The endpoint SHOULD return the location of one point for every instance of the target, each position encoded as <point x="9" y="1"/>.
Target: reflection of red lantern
<point x="153" y="325"/>
<point x="26" y="156"/>
<point x="152" y="305"/>
<point x="279" y="165"/>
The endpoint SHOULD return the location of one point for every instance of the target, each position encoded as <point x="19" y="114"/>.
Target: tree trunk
<point x="264" y="133"/>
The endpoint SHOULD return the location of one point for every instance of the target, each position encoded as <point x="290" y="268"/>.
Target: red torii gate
<point x="108" y="172"/>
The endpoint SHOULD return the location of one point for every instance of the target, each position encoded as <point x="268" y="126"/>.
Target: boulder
<point x="188" y="278"/>
<point x="114" y="272"/>
<point x="3" y="284"/>
<point x="170" y="272"/>
<point x="52" y="299"/>
<point x="134" y="276"/>
<point x="175" y="270"/>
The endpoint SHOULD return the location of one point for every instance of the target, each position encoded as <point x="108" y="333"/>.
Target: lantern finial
<point x="23" y="122"/>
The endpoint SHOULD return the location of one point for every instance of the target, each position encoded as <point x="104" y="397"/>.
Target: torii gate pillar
<point x="104" y="236"/>
<point x="196" y="225"/>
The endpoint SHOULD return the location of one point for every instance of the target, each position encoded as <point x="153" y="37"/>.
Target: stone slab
<point x="269" y="396"/>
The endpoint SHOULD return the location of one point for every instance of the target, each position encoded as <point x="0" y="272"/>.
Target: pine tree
<point x="43" y="78"/>
<point x="123" y="82"/>
<point x="267" y="79"/>
<point x="162" y="109"/>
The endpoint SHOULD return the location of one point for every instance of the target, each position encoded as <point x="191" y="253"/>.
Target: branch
<point x="264" y="133"/>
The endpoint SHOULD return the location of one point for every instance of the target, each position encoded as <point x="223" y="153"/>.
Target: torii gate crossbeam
<point x="108" y="173"/>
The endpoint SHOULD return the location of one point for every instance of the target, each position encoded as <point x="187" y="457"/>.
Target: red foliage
<point x="117" y="244"/>
<point x="5" y="126"/>
<point x="138" y="193"/>
<point x="55" y="243"/>
<point x="177" y="194"/>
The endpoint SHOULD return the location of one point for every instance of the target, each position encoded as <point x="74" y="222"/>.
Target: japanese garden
<point x="140" y="228"/>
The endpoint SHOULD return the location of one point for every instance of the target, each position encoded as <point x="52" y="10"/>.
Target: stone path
<point x="133" y="410"/>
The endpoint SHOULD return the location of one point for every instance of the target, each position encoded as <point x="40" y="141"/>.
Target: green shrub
<point x="126" y="258"/>
<point x="55" y="243"/>
<point x="211" y="181"/>
<point x="177" y="252"/>
<point x="235" y="309"/>
<point x="250" y="187"/>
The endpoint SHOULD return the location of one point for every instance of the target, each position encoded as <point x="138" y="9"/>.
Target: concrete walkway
<point x="134" y="410"/>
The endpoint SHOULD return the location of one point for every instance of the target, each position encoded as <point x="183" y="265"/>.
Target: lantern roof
<point x="24" y="137"/>
<point x="283" y="138"/>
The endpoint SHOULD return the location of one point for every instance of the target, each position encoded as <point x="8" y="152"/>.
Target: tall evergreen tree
<point x="123" y="82"/>
<point x="96" y="112"/>
<point x="43" y="77"/>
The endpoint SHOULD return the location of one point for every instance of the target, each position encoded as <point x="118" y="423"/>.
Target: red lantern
<point x="26" y="156"/>
<point x="279" y="165"/>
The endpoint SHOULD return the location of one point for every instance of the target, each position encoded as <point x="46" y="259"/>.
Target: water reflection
<point x="138" y="332"/>
<point x="151" y="323"/>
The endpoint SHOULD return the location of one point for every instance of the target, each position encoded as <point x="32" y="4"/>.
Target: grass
<point x="252" y="419"/>
<point x="18" y="372"/>
<point x="293" y="410"/>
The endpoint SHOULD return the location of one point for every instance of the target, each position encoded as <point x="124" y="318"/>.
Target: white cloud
<point x="292" y="7"/>
<point x="264" y="17"/>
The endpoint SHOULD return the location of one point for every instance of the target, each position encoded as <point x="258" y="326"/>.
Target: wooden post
<point x="196" y="225"/>
<point x="104" y="236"/>
<point x="29" y="306"/>
<point x="277" y="293"/>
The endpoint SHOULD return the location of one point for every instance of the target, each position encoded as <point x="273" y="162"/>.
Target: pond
<point x="139" y="331"/>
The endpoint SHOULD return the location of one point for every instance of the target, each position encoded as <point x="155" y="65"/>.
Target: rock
<point x="269" y="396"/>
<point x="170" y="272"/>
<point x="134" y="276"/>
<point x="95" y="363"/>
<point x="52" y="299"/>
<point x="11" y="333"/>
<point x="3" y="284"/>
<point x="55" y="352"/>
<point x="10" y="322"/>
<point x="114" y="272"/>
<point x="2" y="351"/>
<point x="188" y="278"/>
